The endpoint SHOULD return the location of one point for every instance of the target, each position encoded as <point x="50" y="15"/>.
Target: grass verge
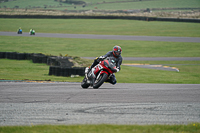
<point x="102" y="128"/>
<point x="102" y="27"/>
<point x="26" y="70"/>
<point x="97" y="47"/>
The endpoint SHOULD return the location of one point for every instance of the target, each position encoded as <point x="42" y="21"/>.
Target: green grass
<point x="26" y="70"/>
<point x="103" y="27"/>
<point x="191" y="128"/>
<point x="97" y="47"/>
<point x="187" y="75"/>
<point x="144" y="4"/>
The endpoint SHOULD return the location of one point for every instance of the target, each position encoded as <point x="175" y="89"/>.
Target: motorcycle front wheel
<point x="98" y="82"/>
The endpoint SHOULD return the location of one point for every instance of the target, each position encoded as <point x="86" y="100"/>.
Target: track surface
<point x="24" y="103"/>
<point x="112" y="37"/>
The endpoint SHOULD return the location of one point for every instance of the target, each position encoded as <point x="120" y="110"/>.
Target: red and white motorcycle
<point x="99" y="74"/>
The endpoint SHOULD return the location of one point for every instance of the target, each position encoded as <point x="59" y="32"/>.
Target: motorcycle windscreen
<point x="110" y="64"/>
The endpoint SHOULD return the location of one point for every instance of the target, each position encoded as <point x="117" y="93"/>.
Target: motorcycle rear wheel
<point x="100" y="81"/>
<point x="84" y="84"/>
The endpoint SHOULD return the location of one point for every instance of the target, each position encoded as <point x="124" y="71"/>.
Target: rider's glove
<point x="101" y="58"/>
<point x="117" y="69"/>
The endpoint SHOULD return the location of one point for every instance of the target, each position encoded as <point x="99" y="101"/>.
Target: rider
<point x="116" y="52"/>
<point x="31" y="30"/>
<point x="20" y="29"/>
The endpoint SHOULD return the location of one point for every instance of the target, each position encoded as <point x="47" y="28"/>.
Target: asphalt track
<point x="23" y="103"/>
<point x="111" y="37"/>
<point x="31" y="103"/>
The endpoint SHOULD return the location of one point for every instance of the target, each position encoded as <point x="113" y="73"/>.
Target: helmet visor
<point x="117" y="52"/>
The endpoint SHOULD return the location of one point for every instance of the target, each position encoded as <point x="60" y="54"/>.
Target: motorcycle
<point x="99" y="74"/>
<point x="32" y="32"/>
<point x="19" y="31"/>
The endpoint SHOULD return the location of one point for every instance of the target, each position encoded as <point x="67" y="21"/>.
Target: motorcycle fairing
<point x="111" y="65"/>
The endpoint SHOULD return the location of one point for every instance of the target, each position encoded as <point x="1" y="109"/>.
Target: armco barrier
<point x="63" y="68"/>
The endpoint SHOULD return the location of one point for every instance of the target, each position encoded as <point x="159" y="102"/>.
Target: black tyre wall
<point x="39" y="58"/>
<point x="21" y="56"/>
<point x="66" y="72"/>
<point x="2" y="54"/>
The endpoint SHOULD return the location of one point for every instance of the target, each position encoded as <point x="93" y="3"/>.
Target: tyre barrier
<point x="28" y="56"/>
<point x="20" y="56"/>
<point x="39" y="58"/>
<point x="66" y="71"/>
<point x="59" y="66"/>
<point x="52" y="61"/>
<point x="15" y="55"/>
<point x="2" y="54"/>
<point x="64" y="61"/>
<point x="59" y="61"/>
<point x="11" y="55"/>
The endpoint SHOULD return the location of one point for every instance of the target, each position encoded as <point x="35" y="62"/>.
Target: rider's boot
<point x="112" y="79"/>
